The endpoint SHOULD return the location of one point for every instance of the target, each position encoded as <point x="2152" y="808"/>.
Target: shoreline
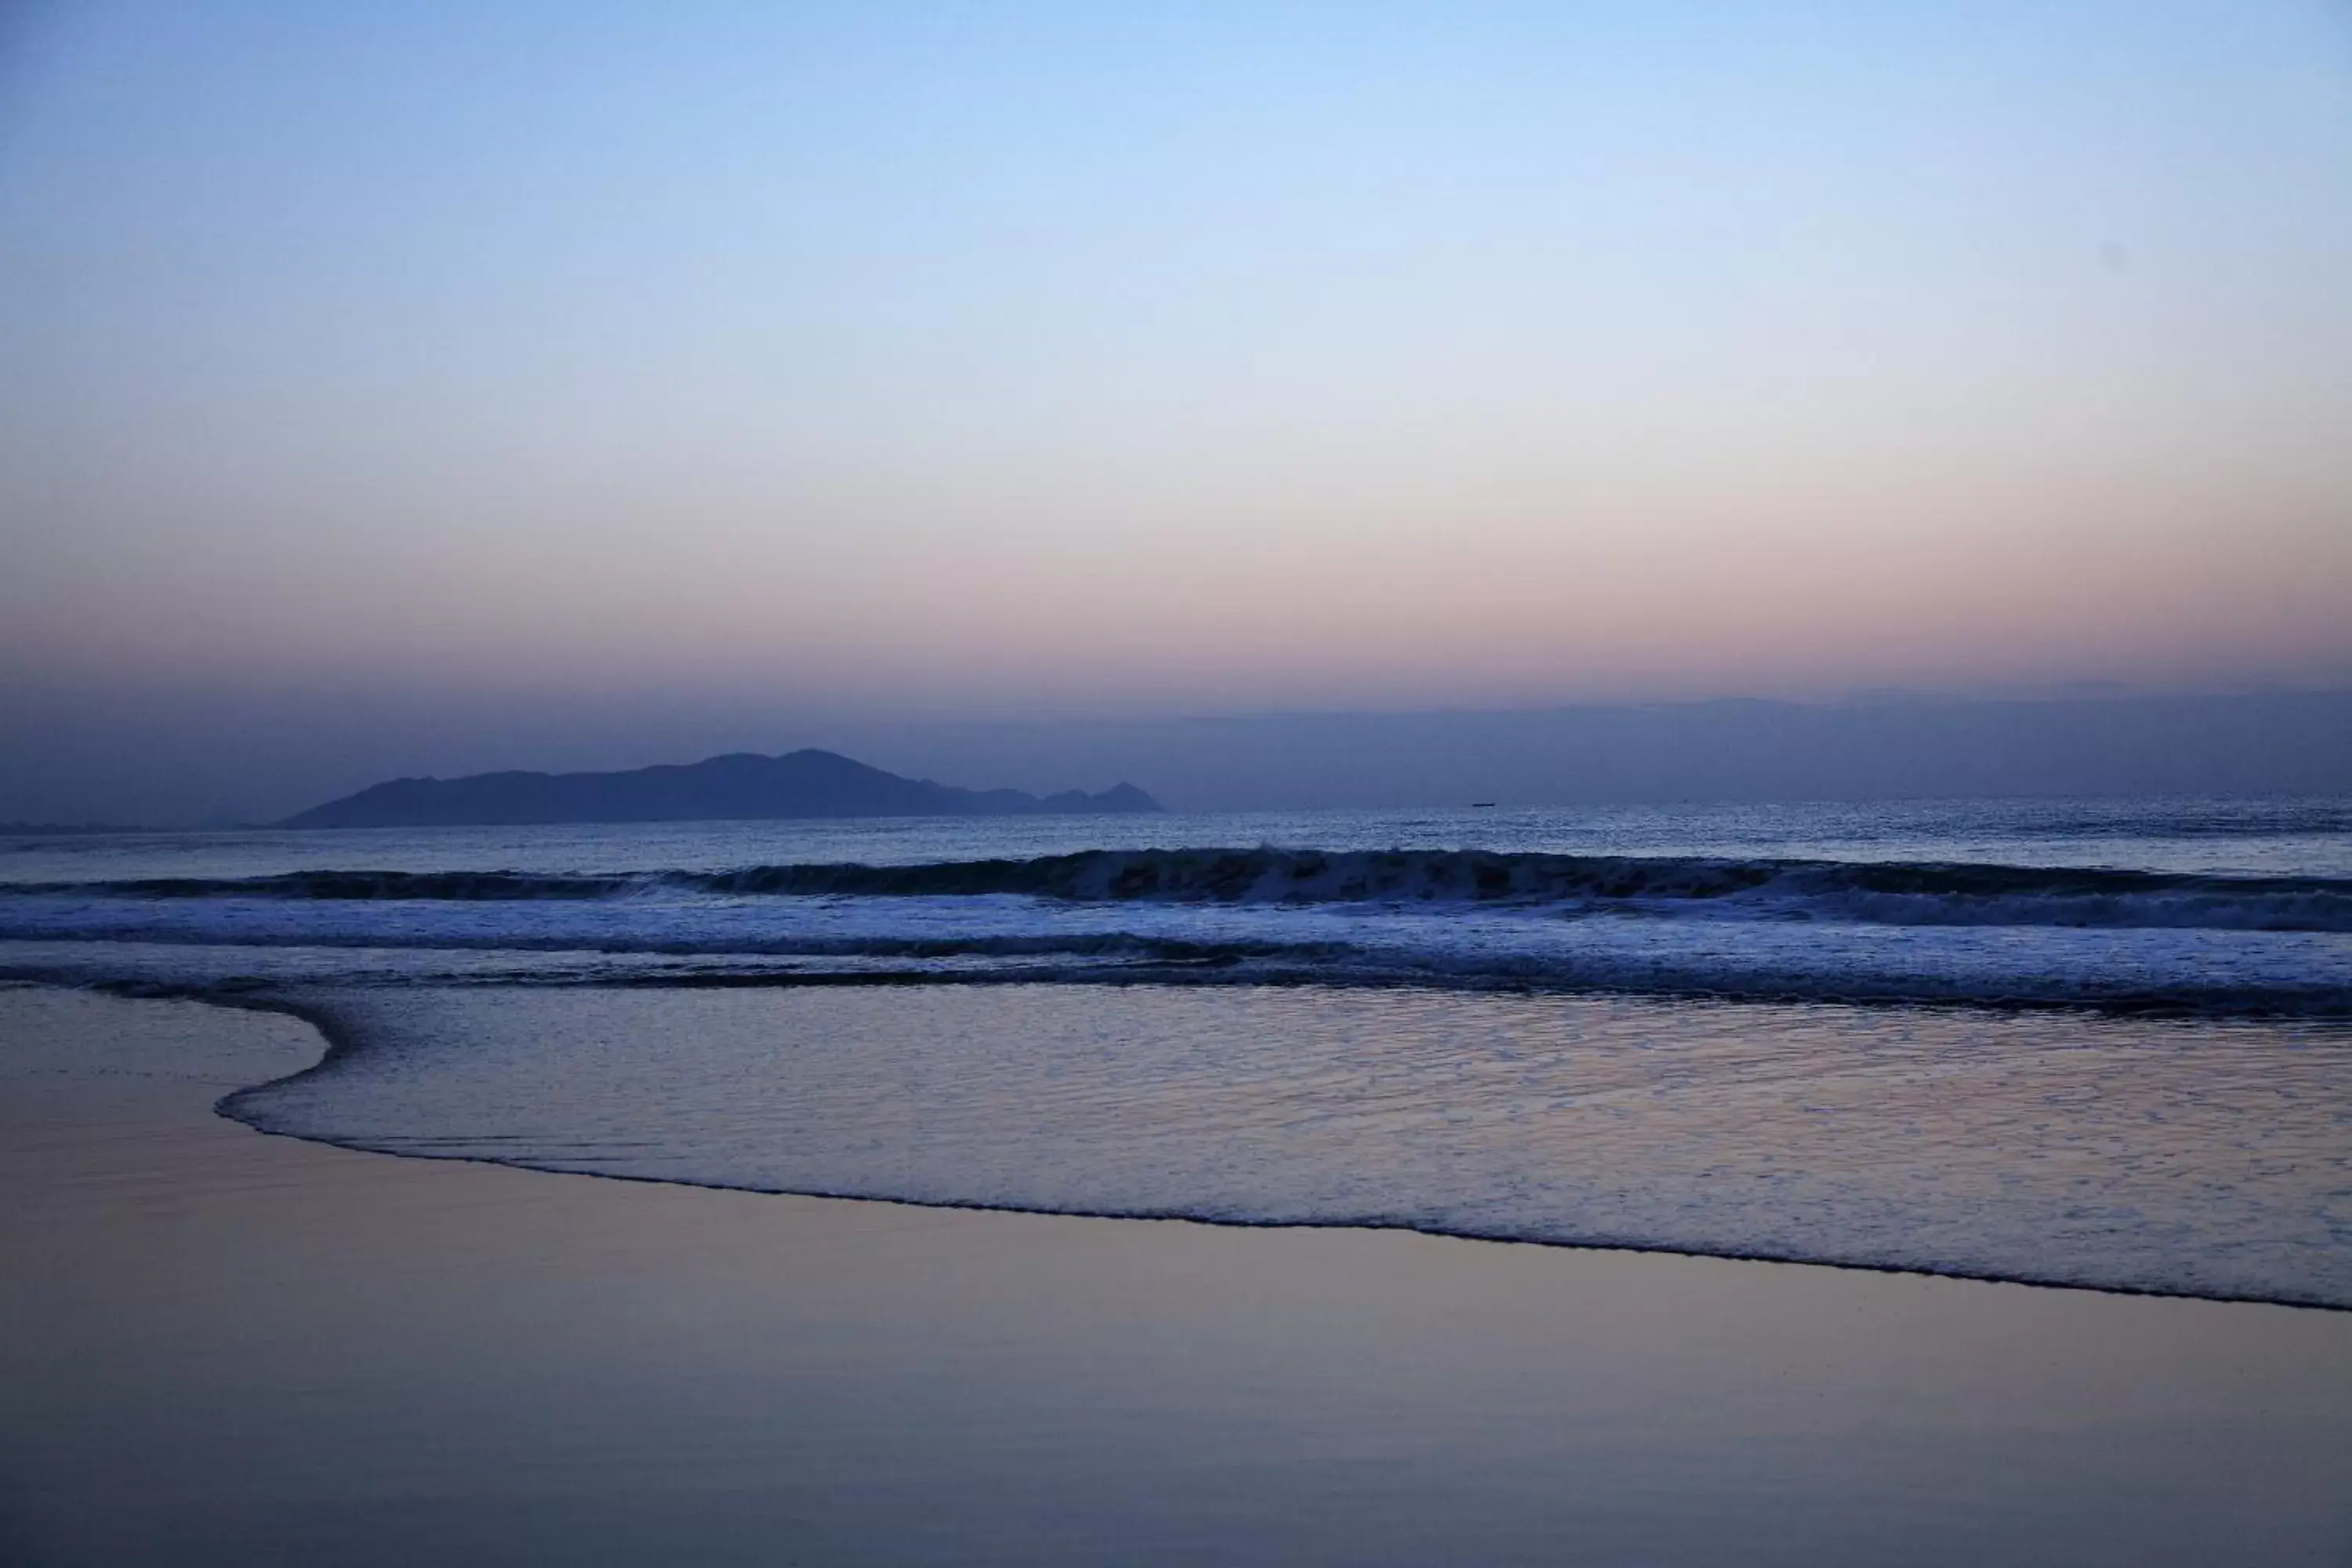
<point x="229" y="1346"/>
<point x="338" y="1042"/>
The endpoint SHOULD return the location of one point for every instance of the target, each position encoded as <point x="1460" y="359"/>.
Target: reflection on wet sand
<point x="224" y="1347"/>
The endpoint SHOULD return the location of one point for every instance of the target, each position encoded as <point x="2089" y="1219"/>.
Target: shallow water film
<point x="2182" y="1156"/>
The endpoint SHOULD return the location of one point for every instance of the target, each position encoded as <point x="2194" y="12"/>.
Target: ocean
<point x="2100" y="1043"/>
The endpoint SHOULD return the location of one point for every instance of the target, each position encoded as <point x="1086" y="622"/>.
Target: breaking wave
<point x="1874" y="892"/>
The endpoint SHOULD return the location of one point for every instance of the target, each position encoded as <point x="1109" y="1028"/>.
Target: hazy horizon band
<point x="465" y="372"/>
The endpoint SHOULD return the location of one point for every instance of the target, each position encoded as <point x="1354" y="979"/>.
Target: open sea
<point x="2104" y="1043"/>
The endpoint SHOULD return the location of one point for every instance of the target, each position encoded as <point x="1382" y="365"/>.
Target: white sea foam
<point x="1454" y="943"/>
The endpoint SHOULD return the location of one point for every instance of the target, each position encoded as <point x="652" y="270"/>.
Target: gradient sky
<point x="1025" y="360"/>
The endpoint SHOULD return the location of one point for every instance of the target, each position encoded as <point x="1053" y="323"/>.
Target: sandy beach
<point x="227" y="1347"/>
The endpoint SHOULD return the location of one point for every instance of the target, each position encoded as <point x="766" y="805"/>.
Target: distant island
<point x="742" y="786"/>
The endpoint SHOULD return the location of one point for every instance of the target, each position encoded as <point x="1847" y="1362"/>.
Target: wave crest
<point x="1870" y="892"/>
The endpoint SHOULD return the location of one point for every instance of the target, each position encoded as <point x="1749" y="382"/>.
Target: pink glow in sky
<point x="1041" y="358"/>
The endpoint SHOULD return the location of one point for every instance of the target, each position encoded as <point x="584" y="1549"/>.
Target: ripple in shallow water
<point x="2200" y="1158"/>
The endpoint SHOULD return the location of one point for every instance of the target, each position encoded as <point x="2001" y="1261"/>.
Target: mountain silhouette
<point x="741" y="786"/>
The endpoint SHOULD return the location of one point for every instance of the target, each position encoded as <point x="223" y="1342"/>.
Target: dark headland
<point x="742" y="786"/>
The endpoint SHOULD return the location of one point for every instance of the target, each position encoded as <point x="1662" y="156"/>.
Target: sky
<point x="544" y="366"/>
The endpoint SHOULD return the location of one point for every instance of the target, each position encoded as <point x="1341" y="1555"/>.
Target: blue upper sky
<point x="1019" y="359"/>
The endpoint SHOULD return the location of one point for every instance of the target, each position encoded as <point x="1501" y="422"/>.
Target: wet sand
<point x="219" y="1346"/>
